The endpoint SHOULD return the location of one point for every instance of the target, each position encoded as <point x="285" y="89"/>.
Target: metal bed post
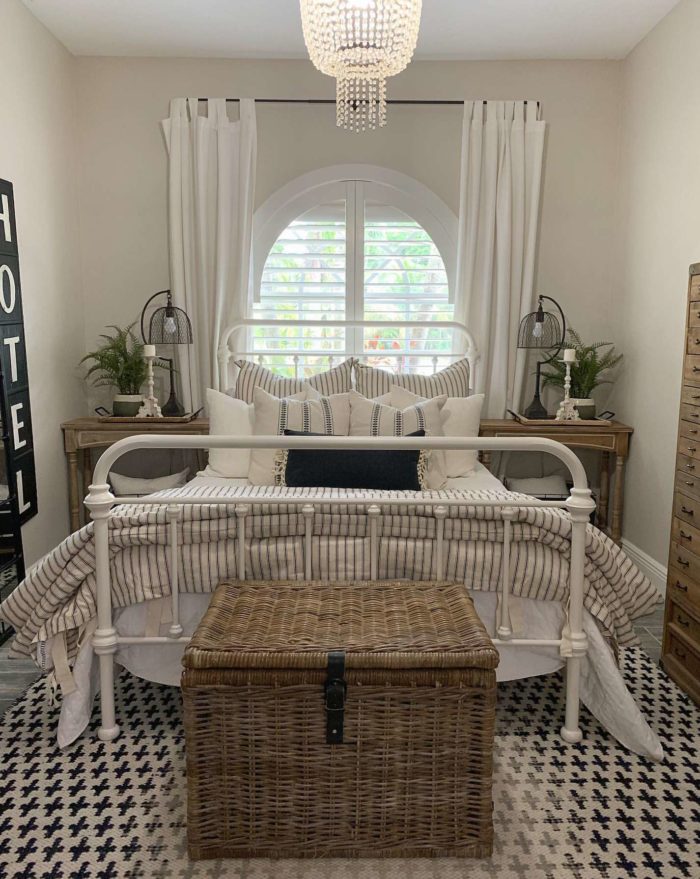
<point x="504" y="630"/>
<point x="172" y="514"/>
<point x="580" y="505"/>
<point x="104" y="640"/>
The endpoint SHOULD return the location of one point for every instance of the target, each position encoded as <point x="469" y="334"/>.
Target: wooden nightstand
<point x="609" y="439"/>
<point x="84" y="434"/>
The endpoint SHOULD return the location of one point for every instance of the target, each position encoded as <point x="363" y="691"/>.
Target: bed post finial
<point x="104" y="640"/>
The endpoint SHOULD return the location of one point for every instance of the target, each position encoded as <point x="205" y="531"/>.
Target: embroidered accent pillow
<point x="252" y="375"/>
<point x="371" y="418"/>
<point x="273" y="415"/>
<point x="461" y="416"/>
<point x="381" y="469"/>
<point x="453" y="381"/>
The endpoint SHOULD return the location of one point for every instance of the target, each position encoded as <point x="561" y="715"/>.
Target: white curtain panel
<point x="211" y="189"/>
<point x="501" y="172"/>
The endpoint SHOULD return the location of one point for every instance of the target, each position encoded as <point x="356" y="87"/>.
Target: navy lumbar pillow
<point x="381" y="469"/>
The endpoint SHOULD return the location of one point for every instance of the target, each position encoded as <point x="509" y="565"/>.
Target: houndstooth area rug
<point x="591" y="811"/>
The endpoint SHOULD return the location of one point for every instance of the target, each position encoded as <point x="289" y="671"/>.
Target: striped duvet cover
<point x="58" y="594"/>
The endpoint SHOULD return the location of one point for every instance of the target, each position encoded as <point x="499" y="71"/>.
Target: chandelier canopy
<point x="360" y="43"/>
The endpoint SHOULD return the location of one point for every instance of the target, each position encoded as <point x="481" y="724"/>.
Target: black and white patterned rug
<point x="590" y="811"/>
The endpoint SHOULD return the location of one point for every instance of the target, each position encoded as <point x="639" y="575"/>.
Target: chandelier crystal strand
<point x="360" y="43"/>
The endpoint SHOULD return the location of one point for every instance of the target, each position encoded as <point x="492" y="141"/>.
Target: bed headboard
<point x="463" y="344"/>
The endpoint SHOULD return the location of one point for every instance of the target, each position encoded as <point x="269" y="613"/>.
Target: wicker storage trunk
<point x="344" y="719"/>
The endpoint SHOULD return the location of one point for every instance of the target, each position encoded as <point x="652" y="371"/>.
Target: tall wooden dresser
<point x="681" y="646"/>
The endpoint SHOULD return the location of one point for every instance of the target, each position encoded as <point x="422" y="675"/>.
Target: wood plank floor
<point x="16" y="675"/>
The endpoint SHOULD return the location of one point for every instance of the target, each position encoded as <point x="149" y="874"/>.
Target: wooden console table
<point x="609" y="439"/>
<point x="82" y="435"/>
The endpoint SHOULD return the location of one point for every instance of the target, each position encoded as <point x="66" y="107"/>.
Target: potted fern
<point x="586" y="374"/>
<point x="119" y="363"/>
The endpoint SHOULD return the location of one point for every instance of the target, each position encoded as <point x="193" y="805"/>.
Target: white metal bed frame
<point x="100" y="501"/>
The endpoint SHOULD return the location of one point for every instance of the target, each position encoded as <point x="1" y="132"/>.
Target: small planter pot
<point x="126" y="405"/>
<point x="585" y="406"/>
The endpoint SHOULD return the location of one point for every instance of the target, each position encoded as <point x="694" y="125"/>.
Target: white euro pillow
<point x="135" y="486"/>
<point x="229" y="417"/>
<point x="461" y="416"/>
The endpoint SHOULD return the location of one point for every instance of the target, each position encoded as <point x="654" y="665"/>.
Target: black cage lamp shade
<point x="169" y="325"/>
<point x="541" y="330"/>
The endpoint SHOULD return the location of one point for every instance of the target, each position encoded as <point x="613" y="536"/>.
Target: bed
<point x="132" y="584"/>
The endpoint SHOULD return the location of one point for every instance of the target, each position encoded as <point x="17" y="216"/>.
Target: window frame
<point x="354" y="184"/>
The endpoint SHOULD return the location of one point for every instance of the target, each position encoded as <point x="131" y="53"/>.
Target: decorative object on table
<point x="360" y="43"/>
<point x="542" y="331"/>
<point x="586" y="372"/>
<point x="169" y="325"/>
<point x="119" y="363"/>
<point x="150" y="407"/>
<point x="567" y="411"/>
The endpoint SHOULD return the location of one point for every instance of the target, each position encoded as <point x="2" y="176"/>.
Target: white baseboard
<point x="654" y="570"/>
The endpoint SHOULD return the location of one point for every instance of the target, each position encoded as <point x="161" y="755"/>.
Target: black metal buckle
<point x="335" y="691"/>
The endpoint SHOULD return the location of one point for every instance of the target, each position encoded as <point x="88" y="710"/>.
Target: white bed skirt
<point x="603" y="690"/>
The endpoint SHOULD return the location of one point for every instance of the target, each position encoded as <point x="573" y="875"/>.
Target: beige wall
<point x="123" y="163"/>
<point x="37" y="153"/>
<point x="660" y="224"/>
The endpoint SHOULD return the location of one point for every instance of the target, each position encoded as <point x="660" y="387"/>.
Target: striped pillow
<point x="370" y="418"/>
<point x="273" y="415"/>
<point x="252" y="375"/>
<point x="452" y="381"/>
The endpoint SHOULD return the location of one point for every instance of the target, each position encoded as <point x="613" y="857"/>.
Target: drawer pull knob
<point x="683" y="622"/>
<point x="681" y="586"/>
<point x="695" y="396"/>
<point x="687" y="511"/>
<point x="692" y="449"/>
<point x="685" y="536"/>
<point x="697" y="341"/>
<point x="696" y="369"/>
<point x="692" y="431"/>
<point x="690" y="466"/>
<point x="680" y="653"/>
<point x="690" y="482"/>
<point x="682" y="562"/>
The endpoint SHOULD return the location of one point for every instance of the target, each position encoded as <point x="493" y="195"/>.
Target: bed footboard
<point x="100" y="501"/>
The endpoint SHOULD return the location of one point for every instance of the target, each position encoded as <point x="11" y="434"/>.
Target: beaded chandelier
<point x="360" y="43"/>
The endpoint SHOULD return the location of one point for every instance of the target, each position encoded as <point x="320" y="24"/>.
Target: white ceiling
<point x="450" y="29"/>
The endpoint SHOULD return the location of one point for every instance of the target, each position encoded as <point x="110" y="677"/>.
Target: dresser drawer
<point x="687" y="509"/>
<point x="692" y="345"/>
<point x="687" y="465"/>
<point x="690" y="413"/>
<point x="690" y="431"/>
<point x="690" y="395"/>
<point x="687" y="536"/>
<point x="689" y="448"/>
<point x="682" y="588"/>
<point x="691" y="369"/>
<point x="685" y="655"/>
<point x="684" y="561"/>
<point x="688" y="484"/>
<point x="685" y="623"/>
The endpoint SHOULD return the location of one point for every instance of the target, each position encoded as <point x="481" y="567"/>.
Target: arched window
<point x="355" y="249"/>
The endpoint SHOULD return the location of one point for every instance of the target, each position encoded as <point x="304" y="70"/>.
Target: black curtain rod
<point x="332" y="101"/>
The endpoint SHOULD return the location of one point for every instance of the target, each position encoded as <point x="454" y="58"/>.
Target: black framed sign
<point x="15" y="409"/>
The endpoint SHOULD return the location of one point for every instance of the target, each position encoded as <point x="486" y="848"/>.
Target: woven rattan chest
<point x="345" y="719"/>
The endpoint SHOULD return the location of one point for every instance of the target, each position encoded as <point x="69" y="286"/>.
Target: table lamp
<point x="542" y="331"/>
<point x="169" y="325"/>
